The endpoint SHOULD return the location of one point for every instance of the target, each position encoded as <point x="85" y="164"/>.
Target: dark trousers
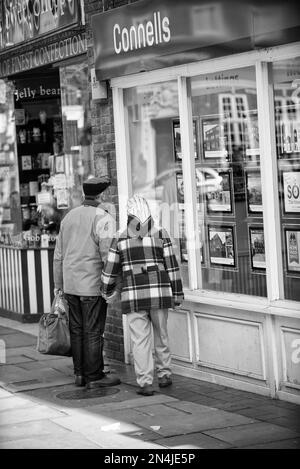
<point x="87" y="323"/>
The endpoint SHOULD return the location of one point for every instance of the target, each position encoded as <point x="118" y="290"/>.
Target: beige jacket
<point x="81" y="250"/>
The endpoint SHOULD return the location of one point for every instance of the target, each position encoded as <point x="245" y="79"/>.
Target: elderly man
<point x="80" y="253"/>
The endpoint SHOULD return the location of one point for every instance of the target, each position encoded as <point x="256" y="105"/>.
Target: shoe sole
<point x="165" y="385"/>
<point x="145" y="393"/>
<point x="102" y="385"/>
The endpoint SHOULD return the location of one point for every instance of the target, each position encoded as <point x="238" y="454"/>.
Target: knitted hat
<point x="138" y="207"/>
<point x="94" y="186"/>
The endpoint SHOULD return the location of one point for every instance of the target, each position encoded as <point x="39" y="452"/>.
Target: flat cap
<point x="94" y="186"/>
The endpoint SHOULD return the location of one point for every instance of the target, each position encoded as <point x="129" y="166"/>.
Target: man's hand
<point x="113" y="298"/>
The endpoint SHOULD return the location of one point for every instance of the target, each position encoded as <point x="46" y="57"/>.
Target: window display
<point x="230" y="196"/>
<point x="53" y="153"/>
<point x="156" y="158"/>
<point x="287" y="126"/>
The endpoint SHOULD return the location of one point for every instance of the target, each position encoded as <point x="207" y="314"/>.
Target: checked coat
<point x="142" y="256"/>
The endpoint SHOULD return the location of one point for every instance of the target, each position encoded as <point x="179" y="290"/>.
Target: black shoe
<point x="164" y="381"/>
<point x="146" y="390"/>
<point x="79" y="380"/>
<point x="110" y="380"/>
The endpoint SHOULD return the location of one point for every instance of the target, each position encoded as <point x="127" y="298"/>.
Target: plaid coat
<point x="143" y="257"/>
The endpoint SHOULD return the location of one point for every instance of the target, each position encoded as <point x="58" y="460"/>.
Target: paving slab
<point x="14" y="402"/>
<point x="171" y="421"/>
<point x="6" y="330"/>
<point x="70" y="440"/>
<point x="31" y="429"/>
<point x="18" y="339"/>
<point x="128" y="402"/>
<point x="256" y="433"/>
<point x="121" y="441"/>
<point x="283" y="444"/>
<point x="17" y="359"/>
<point x="40" y="412"/>
<point x="52" y="363"/>
<point x="289" y="422"/>
<point x="193" y="441"/>
<point x="4" y="394"/>
<point x="269" y="411"/>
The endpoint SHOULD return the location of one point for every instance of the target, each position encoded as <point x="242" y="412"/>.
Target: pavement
<point x="40" y="408"/>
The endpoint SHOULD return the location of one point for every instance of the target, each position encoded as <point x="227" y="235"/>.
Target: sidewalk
<point x="41" y="408"/>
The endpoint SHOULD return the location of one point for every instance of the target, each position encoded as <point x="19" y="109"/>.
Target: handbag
<point x="54" y="332"/>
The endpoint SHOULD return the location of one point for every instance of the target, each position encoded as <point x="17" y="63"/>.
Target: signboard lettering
<point x="26" y="19"/>
<point x="37" y="57"/>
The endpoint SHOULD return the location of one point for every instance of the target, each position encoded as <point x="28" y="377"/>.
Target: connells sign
<point x="21" y="20"/>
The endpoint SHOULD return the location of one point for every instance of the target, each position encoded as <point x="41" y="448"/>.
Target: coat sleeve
<point x="172" y="268"/>
<point x="58" y="262"/>
<point x="110" y="277"/>
<point x="104" y="231"/>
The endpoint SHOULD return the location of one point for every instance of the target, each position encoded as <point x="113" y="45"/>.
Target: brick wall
<point x="105" y="163"/>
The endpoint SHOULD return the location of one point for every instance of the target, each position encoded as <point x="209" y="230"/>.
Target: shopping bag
<point x="54" y="332"/>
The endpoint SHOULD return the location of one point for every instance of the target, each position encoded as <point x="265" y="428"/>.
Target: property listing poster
<point x="293" y="250"/>
<point x="291" y="188"/>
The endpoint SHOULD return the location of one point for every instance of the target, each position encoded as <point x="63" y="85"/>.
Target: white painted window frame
<point x="274" y="304"/>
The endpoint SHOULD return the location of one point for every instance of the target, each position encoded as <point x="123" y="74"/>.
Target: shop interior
<point x="52" y="153"/>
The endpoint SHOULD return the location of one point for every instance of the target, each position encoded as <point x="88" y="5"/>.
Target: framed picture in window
<point x="257" y="248"/>
<point x="215" y="137"/>
<point x="250" y="134"/>
<point x="218" y="190"/>
<point x="254" y="192"/>
<point x="180" y="188"/>
<point x="59" y="164"/>
<point x="26" y="163"/>
<point x="221" y="246"/>
<point x="177" y="139"/>
<point x="291" y="191"/>
<point x="292" y="240"/>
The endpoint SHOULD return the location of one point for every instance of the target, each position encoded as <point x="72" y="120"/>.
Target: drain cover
<point x="87" y="394"/>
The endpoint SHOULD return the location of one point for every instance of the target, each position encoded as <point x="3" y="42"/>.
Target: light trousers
<point x="141" y="337"/>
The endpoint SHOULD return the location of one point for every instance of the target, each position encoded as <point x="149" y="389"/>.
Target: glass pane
<point x="287" y="122"/>
<point x="155" y="150"/>
<point x="10" y="209"/>
<point x="228" y="182"/>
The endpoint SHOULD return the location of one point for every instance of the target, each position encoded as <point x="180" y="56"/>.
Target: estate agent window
<point x="286" y="83"/>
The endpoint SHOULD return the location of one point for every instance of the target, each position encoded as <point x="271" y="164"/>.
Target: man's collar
<point x="91" y="202"/>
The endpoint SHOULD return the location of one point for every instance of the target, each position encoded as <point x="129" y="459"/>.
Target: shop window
<point x="10" y="212"/>
<point x="286" y="83"/>
<point x="46" y="152"/>
<point x="228" y="182"/>
<point x="156" y="158"/>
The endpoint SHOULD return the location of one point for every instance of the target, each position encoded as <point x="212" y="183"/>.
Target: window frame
<point x="262" y="60"/>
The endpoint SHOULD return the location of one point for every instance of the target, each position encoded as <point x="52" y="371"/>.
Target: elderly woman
<point x="142" y="256"/>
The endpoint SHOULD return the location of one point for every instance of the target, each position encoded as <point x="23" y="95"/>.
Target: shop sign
<point x="152" y="34"/>
<point x="39" y="56"/>
<point x="21" y="20"/>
